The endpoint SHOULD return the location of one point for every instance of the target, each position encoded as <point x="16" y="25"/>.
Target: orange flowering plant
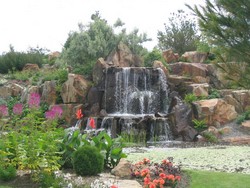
<point x="157" y="175"/>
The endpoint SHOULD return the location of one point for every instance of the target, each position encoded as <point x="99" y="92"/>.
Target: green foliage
<point x="244" y="116"/>
<point x="49" y="179"/>
<point x="189" y="98"/>
<point x="87" y="160"/>
<point x="180" y="33"/>
<point x="213" y="94"/>
<point x="153" y="56"/>
<point x="199" y="125"/>
<point x="225" y="24"/>
<point x="110" y="148"/>
<point x="7" y="172"/>
<point x="98" y="39"/>
<point x="210" y="137"/>
<point x="133" y="137"/>
<point x="12" y="60"/>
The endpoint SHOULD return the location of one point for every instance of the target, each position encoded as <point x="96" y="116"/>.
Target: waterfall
<point x="135" y="92"/>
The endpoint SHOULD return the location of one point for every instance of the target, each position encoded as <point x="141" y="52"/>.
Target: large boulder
<point x="169" y="56"/>
<point x="10" y="90"/>
<point x="180" y="117"/>
<point x="214" y="111"/>
<point x="159" y="64"/>
<point x="195" y="57"/>
<point x="98" y="71"/>
<point x="30" y="67"/>
<point x="49" y="94"/>
<point x="75" y="89"/>
<point x="123" y="57"/>
<point x="123" y="169"/>
<point x="189" y="69"/>
<point x="239" y="98"/>
<point x="199" y="90"/>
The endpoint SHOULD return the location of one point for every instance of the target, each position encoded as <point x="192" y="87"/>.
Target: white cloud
<point x="46" y="23"/>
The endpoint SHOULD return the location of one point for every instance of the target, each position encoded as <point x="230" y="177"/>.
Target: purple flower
<point x="4" y="110"/>
<point x="34" y="100"/>
<point x="55" y="112"/>
<point x="18" y="109"/>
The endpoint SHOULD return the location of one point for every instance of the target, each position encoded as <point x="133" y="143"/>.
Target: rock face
<point x="30" y="67"/>
<point x="49" y="92"/>
<point x="189" y="69"/>
<point x="98" y="70"/>
<point x="181" y="117"/>
<point x="215" y="111"/>
<point x="75" y="89"/>
<point x="10" y="90"/>
<point x="195" y="57"/>
<point x="123" y="57"/>
<point x="169" y="56"/>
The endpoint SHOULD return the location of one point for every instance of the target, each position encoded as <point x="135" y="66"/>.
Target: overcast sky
<point x="46" y="23"/>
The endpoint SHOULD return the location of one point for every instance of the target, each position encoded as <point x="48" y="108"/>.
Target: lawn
<point x="209" y="179"/>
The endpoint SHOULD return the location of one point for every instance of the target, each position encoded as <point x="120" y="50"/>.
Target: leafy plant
<point x="7" y="172"/>
<point x="244" y="116"/>
<point x="213" y="94"/>
<point x="133" y="137"/>
<point x="189" y="98"/>
<point x="210" y="137"/>
<point x="111" y="148"/>
<point x="87" y="160"/>
<point x="199" y="125"/>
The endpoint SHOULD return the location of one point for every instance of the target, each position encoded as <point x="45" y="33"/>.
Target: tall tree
<point x="226" y="24"/>
<point x="97" y="39"/>
<point x="180" y="33"/>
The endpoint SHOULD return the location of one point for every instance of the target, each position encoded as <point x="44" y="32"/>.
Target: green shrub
<point x="87" y="160"/>
<point x="49" y="179"/>
<point x="7" y="172"/>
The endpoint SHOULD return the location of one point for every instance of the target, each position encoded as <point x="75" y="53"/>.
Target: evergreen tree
<point x="97" y="39"/>
<point x="180" y="34"/>
<point x="226" y="24"/>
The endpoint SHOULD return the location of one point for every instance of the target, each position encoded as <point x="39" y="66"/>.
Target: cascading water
<point x="133" y="96"/>
<point x="135" y="92"/>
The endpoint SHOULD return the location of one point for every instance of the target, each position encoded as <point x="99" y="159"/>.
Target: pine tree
<point x="226" y="24"/>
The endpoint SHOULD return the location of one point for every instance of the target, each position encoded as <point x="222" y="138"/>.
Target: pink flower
<point x="4" y="110"/>
<point x="18" y="109"/>
<point x="34" y="100"/>
<point x="55" y="112"/>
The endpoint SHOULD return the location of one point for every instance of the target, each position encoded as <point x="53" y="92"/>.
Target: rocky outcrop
<point x="199" y="90"/>
<point x="123" y="57"/>
<point x="188" y="69"/>
<point x="49" y="94"/>
<point x="98" y="70"/>
<point x="216" y="112"/>
<point x="169" y="56"/>
<point x="75" y="89"/>
<point x="10" y="90"/>
<point x="30" y="67"/>
<point x="194" y="57"/>
<point x="159" y="64"/>
<point x="181" y="119"/>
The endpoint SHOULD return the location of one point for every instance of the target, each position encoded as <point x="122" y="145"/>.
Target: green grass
<point x="208" y="179"/>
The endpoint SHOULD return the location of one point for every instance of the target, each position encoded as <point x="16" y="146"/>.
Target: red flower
<point x="170" y="177"/>
<point x="113" y="186"/>
<point x="144" y="172"/>
<point x="92" y="123"/>
<point x="162" y="175"/>
<point x="178" y="178"/>
<point x="79" y="114"/>
<point x="146" y="180"/>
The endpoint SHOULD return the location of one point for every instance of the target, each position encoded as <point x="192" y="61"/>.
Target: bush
<point x="87" y="160"/>
<point x="7" y="173"/>
<point x="199" y="125"/>
<point x="244" y="116"/>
